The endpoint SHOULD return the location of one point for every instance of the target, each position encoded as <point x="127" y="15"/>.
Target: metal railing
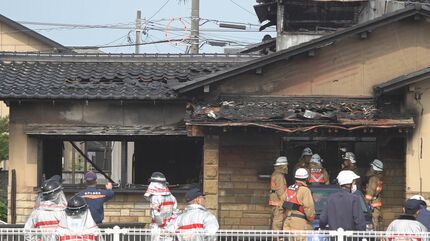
<point x="136" y="234"/>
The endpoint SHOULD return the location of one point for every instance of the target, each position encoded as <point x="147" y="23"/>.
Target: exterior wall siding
<point x="418" y="180"/>
<point x="243" y="196"/>
<point x="348" y="67"/>
<point x="16" y="41"/>
<point x="393" y="154"/>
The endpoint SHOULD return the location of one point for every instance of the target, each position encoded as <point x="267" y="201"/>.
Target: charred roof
<point x="312" y="14"/>
<point x="333" y="112"/>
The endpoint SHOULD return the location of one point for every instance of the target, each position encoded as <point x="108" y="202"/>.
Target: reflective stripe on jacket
<point x="292" y="198"/>
<point x="46" y="216"/>
<point x="82" y="228"/>
<point x="163" y="210"/>
<point x="195" y="219"/>
<point x="317" y="176"/>
<point x="373" y="191"/>
<point x="95" y="199"/>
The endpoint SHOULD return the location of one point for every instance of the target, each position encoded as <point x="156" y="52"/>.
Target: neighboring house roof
<point x="125" y="77"/>
<point x="292" y="114"/>
<point x="58" y="47"/>
<point x="305" y="47"/>
<point x="402" y="81"/>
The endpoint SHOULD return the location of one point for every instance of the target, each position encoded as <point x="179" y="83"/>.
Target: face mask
<point x="353" y="188"/>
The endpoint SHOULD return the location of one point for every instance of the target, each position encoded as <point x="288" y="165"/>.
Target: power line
<point x="113" y="41"/>
<point x="127" y="25"/>
<point x="123" y="45"/>
<point x="165" y="3"/>
<point x="73" y="25"/>
<point x="242" y="8"/>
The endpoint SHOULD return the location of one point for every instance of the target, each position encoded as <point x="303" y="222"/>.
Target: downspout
<point x="13" y="198"/>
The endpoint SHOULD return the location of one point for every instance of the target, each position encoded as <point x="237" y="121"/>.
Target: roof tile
<point x="88" y="78"/>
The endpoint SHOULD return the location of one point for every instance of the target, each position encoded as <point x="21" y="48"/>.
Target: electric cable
<point x="161" y="8"/>
<point x="243" y="8"/>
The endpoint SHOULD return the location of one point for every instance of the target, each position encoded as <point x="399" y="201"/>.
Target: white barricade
<point x="133" y="234"/>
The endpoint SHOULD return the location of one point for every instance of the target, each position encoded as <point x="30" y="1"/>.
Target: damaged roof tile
<point x="293" y="111"/>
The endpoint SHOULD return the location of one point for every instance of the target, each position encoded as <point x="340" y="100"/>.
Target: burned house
<point x="221" y="121"/>
<point x="301" y="21"/>
<point x="353" y="88"/>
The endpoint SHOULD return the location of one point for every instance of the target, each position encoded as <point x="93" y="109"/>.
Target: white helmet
<point x="301" y="173"/>
<point x="418" y="197"/>
<point x="349" y="156"/>
<point x="346" y="177"/>
<point x="281" y="161"/>
<point x="316" y="159"/>
<point x="377" y="165"/>
<point x="307" y="152"/>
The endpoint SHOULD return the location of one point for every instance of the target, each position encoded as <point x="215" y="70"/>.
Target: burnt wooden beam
<point x="90" y="161"/>
<point x="196" y="131"/>
<point x="39" y="162"/>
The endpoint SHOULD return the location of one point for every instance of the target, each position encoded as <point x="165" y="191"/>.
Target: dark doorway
<point x="179" y="158"/>
<point x="52" y="156"/>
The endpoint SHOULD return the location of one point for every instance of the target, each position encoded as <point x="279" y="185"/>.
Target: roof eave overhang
<point x="303" y="127"/>
<point x="54" y="99"/>
<point x="402" y="81"/>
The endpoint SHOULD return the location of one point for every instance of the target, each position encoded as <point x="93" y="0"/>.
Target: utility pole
<point x="138" y="32"/>
<point x="195" y="26"/>
<point x="280" y="25"/>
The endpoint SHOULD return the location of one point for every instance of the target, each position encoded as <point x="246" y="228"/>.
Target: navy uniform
<point x="95" y="198"/>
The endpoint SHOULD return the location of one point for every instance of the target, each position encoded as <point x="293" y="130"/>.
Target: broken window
<point x="180" y="159"/>
<point x="59" y="157"/>
<point x="127" y="163"/>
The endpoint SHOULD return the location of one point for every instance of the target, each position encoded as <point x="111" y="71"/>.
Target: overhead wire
<point x="246" y="10"/>
<point x="121" y="45"/>
<point x="208" y="34"/>
<point x="74" y="25"/>
<point x="113" y="41"/>
<point x="159" y="10"/>
<point x="155" y="46"/>
<point x="176" y="47"/>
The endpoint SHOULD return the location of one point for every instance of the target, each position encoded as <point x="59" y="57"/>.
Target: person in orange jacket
<point x="299" y="204"/>
<point x="373" y="191"/>
<point x="318" y="174"/>
<point x="278" y="186"/>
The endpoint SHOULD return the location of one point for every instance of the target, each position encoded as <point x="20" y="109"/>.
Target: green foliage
<point x="3" y="209"/>
<point x="4" y="138"/>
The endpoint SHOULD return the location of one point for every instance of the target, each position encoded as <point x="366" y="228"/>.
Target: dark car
<point x="320" y="194"/>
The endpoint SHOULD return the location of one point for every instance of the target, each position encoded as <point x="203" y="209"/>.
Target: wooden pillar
<point x="124" y="163"/>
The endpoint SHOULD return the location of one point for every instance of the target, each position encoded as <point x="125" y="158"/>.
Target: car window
<point x="320" y="197"/>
